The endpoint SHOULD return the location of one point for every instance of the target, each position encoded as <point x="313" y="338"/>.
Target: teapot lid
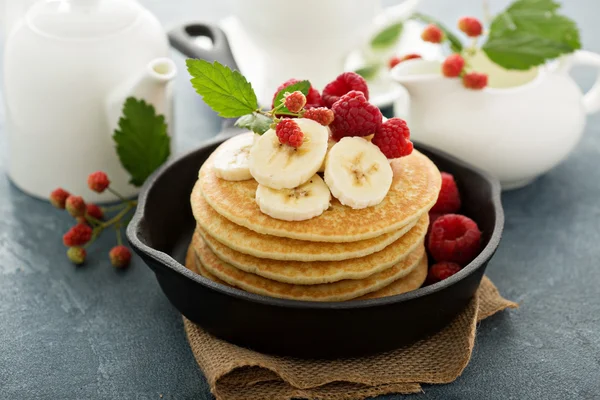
<point x="82" y="19"/>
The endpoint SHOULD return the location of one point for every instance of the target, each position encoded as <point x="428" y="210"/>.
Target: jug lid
<point x="82" y="19"/>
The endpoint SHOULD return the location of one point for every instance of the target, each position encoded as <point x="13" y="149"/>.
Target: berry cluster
<point x="344" y="107"/>
<point x="455" y="66"/>
<point x="91" y="222"/>
<point x="453" y="240"/>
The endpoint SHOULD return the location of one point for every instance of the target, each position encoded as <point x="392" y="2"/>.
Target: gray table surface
<point x="94" y="332"/>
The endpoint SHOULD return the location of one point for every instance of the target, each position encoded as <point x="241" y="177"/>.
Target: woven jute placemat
<point x="236" y="373"/>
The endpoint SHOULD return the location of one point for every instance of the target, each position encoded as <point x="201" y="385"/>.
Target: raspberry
<point x="76" y="255"/>
<point x="98" y="181"/>
<point x="475" y="80"/>
<point x="313" y="99"/>
<point x="397" y="60"/>
<point x="344" y="84"/>
<point x="289" y="133"/>
<point x="295" y="101"/>
<point x="471" y="26"/>
<point x="94" y="211"/>
<point x="440" y="271"/>
<point x="393" y="138"/>
<point x="322" y="115"/>
<point x="58" y="197"/>
<point x="433" y="34"/>
<point x="78" y="235"/>
<point x="449" y="198"/>
<point x="454" y="238"/>
<point x="453" y="66"/>
<point x="120" y="256"/>
<point x="433" y="216"/>
<point x="355" y="116"/>
<point x="75" y="206"/>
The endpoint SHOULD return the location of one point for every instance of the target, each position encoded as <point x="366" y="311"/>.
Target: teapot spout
<point x="422" y="77"/>
<point x="150" y="85"/>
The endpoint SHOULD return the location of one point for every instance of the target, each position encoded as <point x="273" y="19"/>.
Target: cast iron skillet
<point x="161" y="231"/>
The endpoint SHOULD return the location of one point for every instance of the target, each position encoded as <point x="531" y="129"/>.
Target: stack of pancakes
<point x="343" y="254"/>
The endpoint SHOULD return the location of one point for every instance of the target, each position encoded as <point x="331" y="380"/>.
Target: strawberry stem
<point x="118" y="232"/>
<point x="130" y="202"/>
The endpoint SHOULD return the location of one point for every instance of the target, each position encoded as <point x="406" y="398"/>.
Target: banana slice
<point x="231" y="161"/>
<point x="357" y="173"/>
<point x="304" y="202"/>
<point x="283" y="167"/>
<point x="330" y="142"/>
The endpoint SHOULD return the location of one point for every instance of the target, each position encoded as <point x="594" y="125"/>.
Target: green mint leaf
<point x="530" y="32"/>
<point x="257" y="123"/>
<point x="302" y="86"/>
<point x="226" y="91"/>
<point x="455" y="43"/>
<point x="369" y="71"/>
<point x="387" y="37"/>
<point x="141" y="140"/>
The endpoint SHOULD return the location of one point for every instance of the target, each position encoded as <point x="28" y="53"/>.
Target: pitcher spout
<point x="422" y="77"/>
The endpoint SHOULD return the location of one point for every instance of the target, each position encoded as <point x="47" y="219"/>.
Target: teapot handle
<point x="591" y="100"/>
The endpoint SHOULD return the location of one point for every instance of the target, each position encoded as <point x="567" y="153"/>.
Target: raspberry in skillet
<point x="449" y="198"/>
<point x="322" y="115"/>
<point x="313" y="99"/>
<point x="295" y="101"/>
<point x="440" y="271"/>
<point x="393" y="138"/>
<point x="289" y="133"/>
<point x="343" y="84"/>
<point x="454" y="238"/>
<point x="355" y="116"/>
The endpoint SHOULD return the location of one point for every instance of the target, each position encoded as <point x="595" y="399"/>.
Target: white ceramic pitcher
<point x="517" y="131"/>
<point x="69" y="65"/>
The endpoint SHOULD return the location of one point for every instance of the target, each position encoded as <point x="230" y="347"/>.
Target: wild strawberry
<point x="295" y="101"/>
<point x="471" y="26"/>
<point x="393" y="138"/>
<point x="453" y="66"/>
<point x="433" y="34"/>
<point x="94" y="211"/>
<point x="454" y="238"/>
<point x="343" y="84"/>
<point x="120" y="256"/>
<point x="58" y="198"/>
<point x="76" y="255"/>
<point x="475" y="80"/>
<point x="449" y="198"/>
<point x="397" y="60"/>
<point x="313" y="99"/>
<point x="289" y="133"/>
<point x="75" y="206"/>
<point x="98" y="181"/>
<point x="322" y="115"/>
<point x="440" y="271"/>
<point x="78" y="235"/>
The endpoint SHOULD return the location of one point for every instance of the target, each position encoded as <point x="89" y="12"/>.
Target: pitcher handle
<point x="397" y="13"/>
<point x="591" y="100"/>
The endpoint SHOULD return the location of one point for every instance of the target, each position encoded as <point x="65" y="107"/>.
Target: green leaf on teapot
<point x="226" y="91"/>
<point x="387" y="37"/>
<point x="255" y="122"/>
<point x="302" y="86"/>
<point x="369" y="72"/>
<point x="455" y="43"/>
<point x="529" y="33"/>
<point x="142" y="141"/>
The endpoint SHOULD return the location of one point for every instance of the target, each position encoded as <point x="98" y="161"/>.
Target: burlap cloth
<point x="236" y="373"/>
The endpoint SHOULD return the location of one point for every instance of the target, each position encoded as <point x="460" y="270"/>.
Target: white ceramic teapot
<point x="518" y="129"/>
<point x="69" y="66"/>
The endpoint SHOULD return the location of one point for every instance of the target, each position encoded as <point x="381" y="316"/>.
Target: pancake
<point x="317" y="272"/>
<point x="194" y="266"/>
<point x="249" y="242"/>
<point x="410" y="282"/>
<point x="337" y="291"/>
<point x="414" y="190"/>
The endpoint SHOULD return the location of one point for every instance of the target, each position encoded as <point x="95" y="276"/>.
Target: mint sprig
<point x="529" y="33"/>
<point x="255" y="122"/>
<point x="141" y="140"/>
<point x="226" y="91"/>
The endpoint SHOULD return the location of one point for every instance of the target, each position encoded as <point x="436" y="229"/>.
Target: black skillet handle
<point x="183" y="38"/>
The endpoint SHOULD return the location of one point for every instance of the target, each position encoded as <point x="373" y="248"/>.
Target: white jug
<point x="517" y="130"/>
<point x="69" y="65"/>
